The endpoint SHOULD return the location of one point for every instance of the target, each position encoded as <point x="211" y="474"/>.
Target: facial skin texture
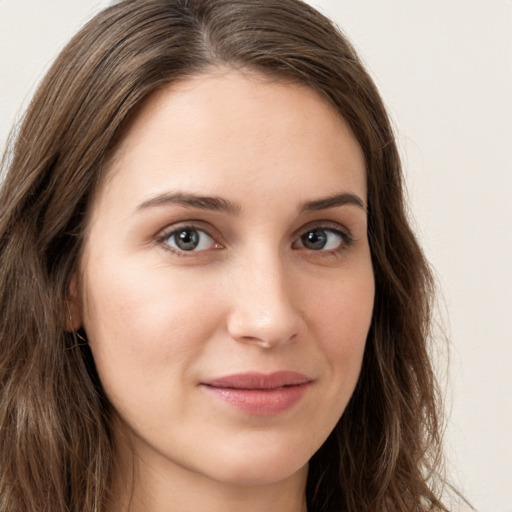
<point x="252" y="297"/>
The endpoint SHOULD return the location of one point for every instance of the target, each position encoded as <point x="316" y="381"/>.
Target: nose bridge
<point x="263" y="309"/>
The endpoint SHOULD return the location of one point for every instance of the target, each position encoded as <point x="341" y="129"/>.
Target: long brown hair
<point x="55" y="438"/>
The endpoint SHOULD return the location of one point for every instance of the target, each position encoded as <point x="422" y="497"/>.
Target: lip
<point x="260" y="393"/>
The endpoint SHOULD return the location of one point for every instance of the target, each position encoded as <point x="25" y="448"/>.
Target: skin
<point x="251" y="297"/>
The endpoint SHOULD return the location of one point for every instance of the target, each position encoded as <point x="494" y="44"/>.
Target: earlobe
<point x="74" y="305"/>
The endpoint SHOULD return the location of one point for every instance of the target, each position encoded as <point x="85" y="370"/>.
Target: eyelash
<point x="346" y="240"/>
<point x="167" y="234"/>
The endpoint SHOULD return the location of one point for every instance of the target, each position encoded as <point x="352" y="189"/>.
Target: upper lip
<point x="256" y="380"/>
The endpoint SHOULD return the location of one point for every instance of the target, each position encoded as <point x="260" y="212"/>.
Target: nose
<point x="264" y="309"/>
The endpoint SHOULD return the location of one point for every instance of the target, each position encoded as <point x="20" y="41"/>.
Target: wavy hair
<point x="56" y="446"/>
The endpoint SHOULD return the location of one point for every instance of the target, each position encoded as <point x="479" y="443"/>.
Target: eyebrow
<point x="220" y="204"/>
<point x="217" y="204"/>
<point x="345" y="198"/>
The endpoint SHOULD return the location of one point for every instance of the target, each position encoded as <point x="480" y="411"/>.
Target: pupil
<point x="187" y="239"/>
<point x="315" y="239"/>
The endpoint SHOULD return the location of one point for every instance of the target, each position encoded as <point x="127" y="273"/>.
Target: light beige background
<point x="444" y="68"/>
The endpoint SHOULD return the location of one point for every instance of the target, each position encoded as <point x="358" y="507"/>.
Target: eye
<point x="188" y="239"/>
<point x="323" y="239"/>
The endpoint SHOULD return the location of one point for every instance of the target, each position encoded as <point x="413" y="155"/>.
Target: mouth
<point x="259" y="393"/>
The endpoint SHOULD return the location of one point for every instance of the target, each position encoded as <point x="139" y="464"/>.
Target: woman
<point x="211" y="297"/>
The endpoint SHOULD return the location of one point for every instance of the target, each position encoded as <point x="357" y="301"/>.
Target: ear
<point x="74" y="304"/>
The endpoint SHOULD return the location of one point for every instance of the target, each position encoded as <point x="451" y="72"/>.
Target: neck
<point x="164" y="486"/>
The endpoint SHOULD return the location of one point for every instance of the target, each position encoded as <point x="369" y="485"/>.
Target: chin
<point x="259" y="477"/>
<point x="265" y="466"/>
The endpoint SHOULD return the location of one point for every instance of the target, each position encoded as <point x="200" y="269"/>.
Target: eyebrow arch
<point x="217" y="204"/>
<point x="325" y="203"/>
<point x="220" y="204"/>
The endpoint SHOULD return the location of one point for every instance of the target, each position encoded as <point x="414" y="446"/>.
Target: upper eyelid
<point x="193" y="224"/>
<point x="325" y="224"/>
<point x="210" y="230"/>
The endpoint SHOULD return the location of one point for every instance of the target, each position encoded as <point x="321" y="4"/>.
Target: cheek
<point x="341" y="315"/>
<point x="139" y="295"/>
<point x="142" y="323"/>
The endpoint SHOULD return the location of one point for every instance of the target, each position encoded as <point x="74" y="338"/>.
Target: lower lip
<point x="258" y="401"/>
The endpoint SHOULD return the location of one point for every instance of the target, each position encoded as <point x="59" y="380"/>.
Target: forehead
<point x="227" y="129"/>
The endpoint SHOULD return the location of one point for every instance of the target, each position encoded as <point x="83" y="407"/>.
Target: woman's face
<point x="226" y="284"/>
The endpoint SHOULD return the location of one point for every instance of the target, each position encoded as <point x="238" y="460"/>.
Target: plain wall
<point x="444" y="68"/>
